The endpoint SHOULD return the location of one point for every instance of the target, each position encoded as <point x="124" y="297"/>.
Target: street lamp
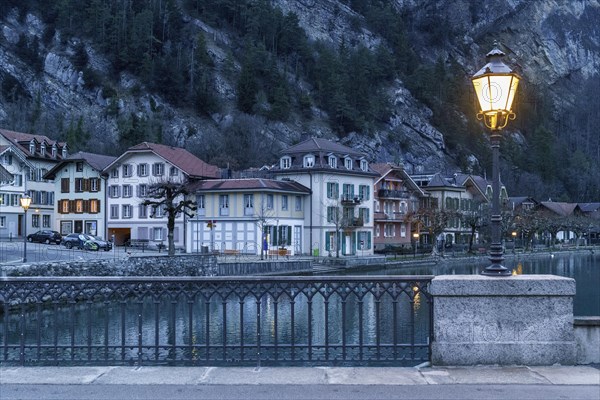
<point x="416" y="239"/>
<point x="25" y="203"/>
<point x="514" y="237"/>
<point x="495" y="85"/>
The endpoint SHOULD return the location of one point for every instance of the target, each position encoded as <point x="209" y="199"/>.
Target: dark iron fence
<point x="367" y="320"/>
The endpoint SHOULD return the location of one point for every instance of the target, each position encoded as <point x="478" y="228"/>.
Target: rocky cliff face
<point x="555" y="43"/>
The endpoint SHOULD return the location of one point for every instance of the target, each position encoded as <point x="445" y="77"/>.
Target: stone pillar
<point x="516" y="320"/>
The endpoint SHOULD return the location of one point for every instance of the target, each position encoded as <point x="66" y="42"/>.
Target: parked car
<point x="45" y="236"/>
<point x="86" y="242"/>
<point x="105" y="245"/>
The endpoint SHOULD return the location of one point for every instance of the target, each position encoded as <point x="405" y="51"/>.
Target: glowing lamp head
<point x="495" y="85"/>
<point x="25" y="202"/>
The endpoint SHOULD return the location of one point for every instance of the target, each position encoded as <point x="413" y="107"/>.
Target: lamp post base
<point x="496" y="270"/>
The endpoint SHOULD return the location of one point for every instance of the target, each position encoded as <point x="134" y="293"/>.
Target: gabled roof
<point x="318" y="145"/>
<point x="96" y="161"/>
<point x="22" y="140"/>
<point x="255" y="184"/>
<point x="5" y="176"/>
<point x="589" y="207"/>
<point x="559" y="208"/>
<point x="383" y="169"/>
<point x="519" y="200"/>
<point x="191" y="165"/>
<point x="15" y="150"/>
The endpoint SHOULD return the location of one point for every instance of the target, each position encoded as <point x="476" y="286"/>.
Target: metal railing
<point x="367" y="320"/>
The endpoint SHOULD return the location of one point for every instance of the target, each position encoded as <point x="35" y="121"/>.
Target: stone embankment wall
<point x="587" y="339"/>
<point x="192" y="265"/>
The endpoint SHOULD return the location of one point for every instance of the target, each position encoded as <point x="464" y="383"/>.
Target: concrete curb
<point x="479" y="375"/>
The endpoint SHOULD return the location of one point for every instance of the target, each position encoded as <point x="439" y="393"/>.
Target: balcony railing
<point x="329" y="320"/>
<point x="393" y="194"/>
<point x="350" y="199"/>
<point x="353" y="222"/>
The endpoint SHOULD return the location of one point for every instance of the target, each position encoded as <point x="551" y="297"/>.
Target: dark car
<point x="45" y="236"/>
<point x="101" y="243"/>
<point x="76" y="240"/>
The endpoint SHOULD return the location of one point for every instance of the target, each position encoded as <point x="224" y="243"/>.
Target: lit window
<point x="94" y="206"/>
<point x="78" y="206"/>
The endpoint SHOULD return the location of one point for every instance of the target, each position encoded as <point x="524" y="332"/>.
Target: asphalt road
<point x="298" y="392"/>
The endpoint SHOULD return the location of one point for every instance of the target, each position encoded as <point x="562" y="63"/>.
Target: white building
<point x="28" y="158"/>
<point x="244" y="215"/>
<point x="80" y="191"/>
<point x="339" y="215"/>
<point x="129" y="178"/>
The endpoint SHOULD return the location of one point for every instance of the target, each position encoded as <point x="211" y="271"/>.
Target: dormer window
<point x="364" y="165"/>
<point x="332" y="161"/>
<point x="43" y="149"/>
<point x="348" y="163"/>
<point x="54" y="150"/>
<point x="309" y="161"/>
<point x="285" y="162"/>
<point x="32" y="147"/>
<point x="64" y="151"/>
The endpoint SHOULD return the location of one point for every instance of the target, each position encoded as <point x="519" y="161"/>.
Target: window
<point x="200" y="205"/>
<point x="113" y="191"/>
<point x="158" y="169"/>
<point x="94" y="184"/>
<point x="269" y="202"/>
<point x="127" y="191"/>
<point x="284" y="202"/>
<point x="332" y="161"/>
<point x="64" y="185"/>
<point x="364" y="241"/>
<point x="157" y="233"/>
<point x="377" y="206"/>
<point x="333" y="214"/>
<point x="114" y="173"/>
<point x="348" y="163"/>
<point x="2" y="222"/>
<point x="285" y="162"/>
<point x="114" y="211"/>
<point x="127" y="210"/>
<point x="79" y="206"/>
<point x="377" y="230"/>
<point x="142" y="170"/>
<point x="142" y="190"/>
<point x="79" y="166"/>
<point x="224" y="204"/>
<point x="348" y="191"/>
<point x="94" y="206"/>
<point x="63" y="206"/>
<point x="127" y="170"/>
<point x="54" y="151"/>
<point x="45" y="221"/>
<point x="403" y="207"/>
<point x="35" y="220"/>
<point x="174" y="171"/>
<point x="43" y="149"/>
<point x="64" y="152"/>
<point x="333" y="190"/>
<point x="389" y="230"/>
<point x="248" y="204"/>
<point x="159" y="211"/>
<point x="298" y="206"/>
<point x="364" y="192"/>
<point x="364" y="165"/>
<point x="309" y="161"/>
<point x="143" y="211"/>
<point x="78" y="185"/>
<point x="402" y="230"/>
<point x="32" y="147"/>
<point x="363" y="213"/>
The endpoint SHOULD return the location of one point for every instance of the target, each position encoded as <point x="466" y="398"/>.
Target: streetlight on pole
<point x="25" y="203"/>
<point x="514" y="237"/>
<point x="416" y="240"/>
<point x="495" y="85"/>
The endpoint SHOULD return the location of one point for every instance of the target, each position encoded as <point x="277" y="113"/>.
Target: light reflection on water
<point x="583" y="267"/>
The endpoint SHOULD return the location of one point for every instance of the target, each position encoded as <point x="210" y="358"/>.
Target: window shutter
<point x="368" y="240"/>
<point x="289" y="236"/>
<point x="60" y="207"/>
<point x="72" y="205"/>
<point x="164" y="234"/>
<point x="327" y="244"/>
<point x="354" y="244"/>
<point x="176" y="234"/>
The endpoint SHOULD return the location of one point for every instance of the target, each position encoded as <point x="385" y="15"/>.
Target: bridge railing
<point x="341" y="320"/>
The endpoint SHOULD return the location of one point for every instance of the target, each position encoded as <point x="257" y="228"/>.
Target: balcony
<point x="353" y="222"/>
<point x="350" y="199"/>
<point x="393" y="194"/>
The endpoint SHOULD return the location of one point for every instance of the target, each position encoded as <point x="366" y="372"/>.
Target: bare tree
<point x="264" y="216"/>
<point x="171" y="195"/>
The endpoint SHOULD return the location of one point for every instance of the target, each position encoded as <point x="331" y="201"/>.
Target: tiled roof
<point x="5" y="176"/>
<point x="381" y="168"/>
<point x="181" y="158"/>
<point x="560" y="208"/>
<point x="97" y="161"/>
<point x="21" y="140"/>
<point x="317" y="145"/>
<point x="589" y="207"/>
<point x="249" y="184"/>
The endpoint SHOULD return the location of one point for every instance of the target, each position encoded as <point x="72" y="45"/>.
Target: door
<point x="78" y="226"/>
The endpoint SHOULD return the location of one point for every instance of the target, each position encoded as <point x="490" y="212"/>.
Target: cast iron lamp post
<point x="25" y="203"/>
<point x="416" y="240"/>
<point x="495" y="85"/>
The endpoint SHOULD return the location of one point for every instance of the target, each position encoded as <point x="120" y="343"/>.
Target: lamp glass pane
<point x="495" y="92"/>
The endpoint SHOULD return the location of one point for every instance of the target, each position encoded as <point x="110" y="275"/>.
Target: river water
<point x="583" y="267"/>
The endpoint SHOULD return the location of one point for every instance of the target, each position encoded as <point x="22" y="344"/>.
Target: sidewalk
<point x="478" y="375"/>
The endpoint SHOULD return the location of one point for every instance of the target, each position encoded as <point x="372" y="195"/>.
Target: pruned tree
<point x="171" y="195"/>
<point x="434" y="221"/>
<point x="474" y="219"/>
<point x="263" y="216"/>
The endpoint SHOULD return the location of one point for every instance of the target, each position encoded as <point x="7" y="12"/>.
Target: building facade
<point x="396" y="200"/>
<point x="80" y="191"/>
<point x="339" y="216"/>
<point x="129" y="179"/>
<point x="243" y="216"/>
<point x="28" y="158"/>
